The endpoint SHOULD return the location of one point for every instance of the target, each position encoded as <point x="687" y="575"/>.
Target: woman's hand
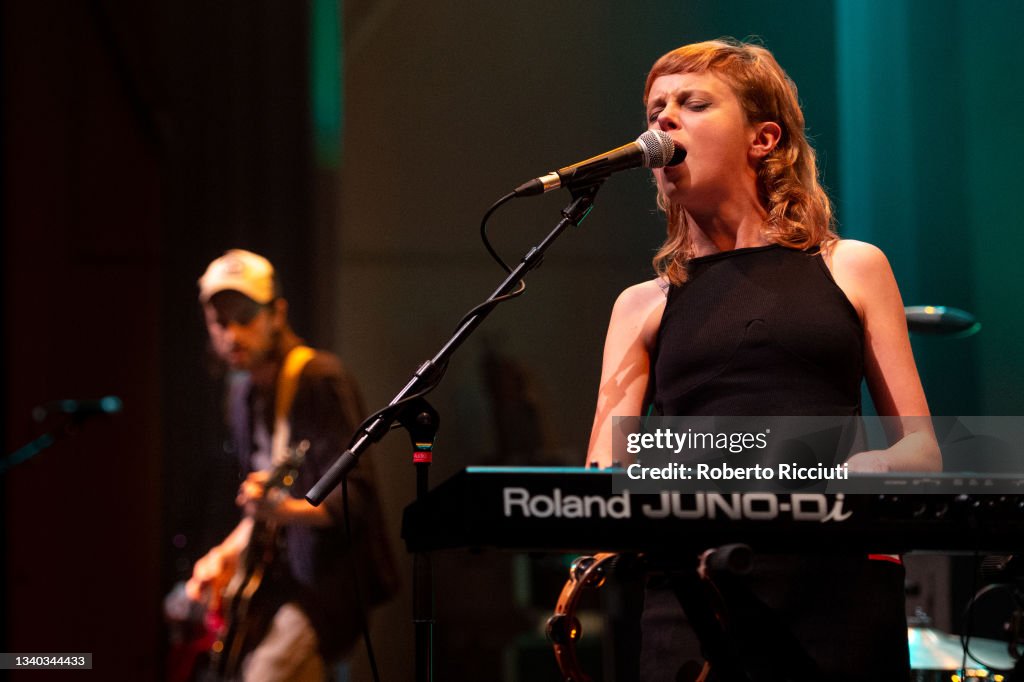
<point x="870" y="462"/>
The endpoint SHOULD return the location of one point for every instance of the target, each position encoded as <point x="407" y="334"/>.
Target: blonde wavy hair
<point x="799" y="210"/>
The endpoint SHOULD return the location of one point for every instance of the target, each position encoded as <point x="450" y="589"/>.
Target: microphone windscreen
<point x="660" y="149"/>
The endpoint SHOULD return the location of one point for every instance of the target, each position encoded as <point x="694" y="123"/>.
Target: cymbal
<point x="932" y="649"/>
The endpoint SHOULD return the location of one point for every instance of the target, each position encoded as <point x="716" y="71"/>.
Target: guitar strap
<point x="287" y="384"/>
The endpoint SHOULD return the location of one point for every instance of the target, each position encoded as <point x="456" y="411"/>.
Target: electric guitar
<point x="249" y="601"/>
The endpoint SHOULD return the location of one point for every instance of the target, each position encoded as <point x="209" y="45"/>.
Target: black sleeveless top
<point x="766" y="331"/>
<point x="758" y="331"/>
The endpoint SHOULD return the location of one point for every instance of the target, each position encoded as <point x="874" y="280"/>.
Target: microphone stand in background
<point x="408" y="407"/>
<point x="75" y="412"/>
<point x="940" y="320"/>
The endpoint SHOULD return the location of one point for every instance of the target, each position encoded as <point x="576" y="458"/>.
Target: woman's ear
<point x="766" y="136"/>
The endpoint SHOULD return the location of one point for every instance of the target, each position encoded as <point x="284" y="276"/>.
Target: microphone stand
<point x="425" y="379"/>
<point x="65" y="428"/>
<point x="422" y="421"/>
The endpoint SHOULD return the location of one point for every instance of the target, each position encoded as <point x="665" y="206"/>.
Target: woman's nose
<point x="667" y="120"/>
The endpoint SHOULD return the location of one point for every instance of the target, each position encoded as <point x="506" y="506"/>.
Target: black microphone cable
<point x="361" y="610"/>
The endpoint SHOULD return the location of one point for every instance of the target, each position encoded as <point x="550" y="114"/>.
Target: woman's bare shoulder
<point x="637" y="311"/>
<point x="862" y="271"/>
<point x="855" y="255"/>
<point x="644" y="295"/>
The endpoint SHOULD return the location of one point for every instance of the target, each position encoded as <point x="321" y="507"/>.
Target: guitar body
<point x="193" y="630"/>
<point x="259" y="587"/>
<point x="247" y="609"/>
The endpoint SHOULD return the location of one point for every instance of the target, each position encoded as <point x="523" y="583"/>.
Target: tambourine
<point x="563" y="627"/>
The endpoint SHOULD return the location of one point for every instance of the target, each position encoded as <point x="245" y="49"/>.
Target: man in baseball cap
<point x="245" y="315"/>
<point x="314" y="617"/>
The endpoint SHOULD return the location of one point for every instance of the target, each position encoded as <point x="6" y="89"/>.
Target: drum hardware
<point x="935" y="656"/>
<point x="932" y="651"/>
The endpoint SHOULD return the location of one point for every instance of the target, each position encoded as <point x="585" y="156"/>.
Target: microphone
<point x="653" y="149"/>
<point x="110" y="404"/>
<point x="940" y="320"/>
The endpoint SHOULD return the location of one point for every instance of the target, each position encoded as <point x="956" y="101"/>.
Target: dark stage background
<point x="357" y="147"/>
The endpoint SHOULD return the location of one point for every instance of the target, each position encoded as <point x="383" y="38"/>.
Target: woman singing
<point x="758" y="308"/>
